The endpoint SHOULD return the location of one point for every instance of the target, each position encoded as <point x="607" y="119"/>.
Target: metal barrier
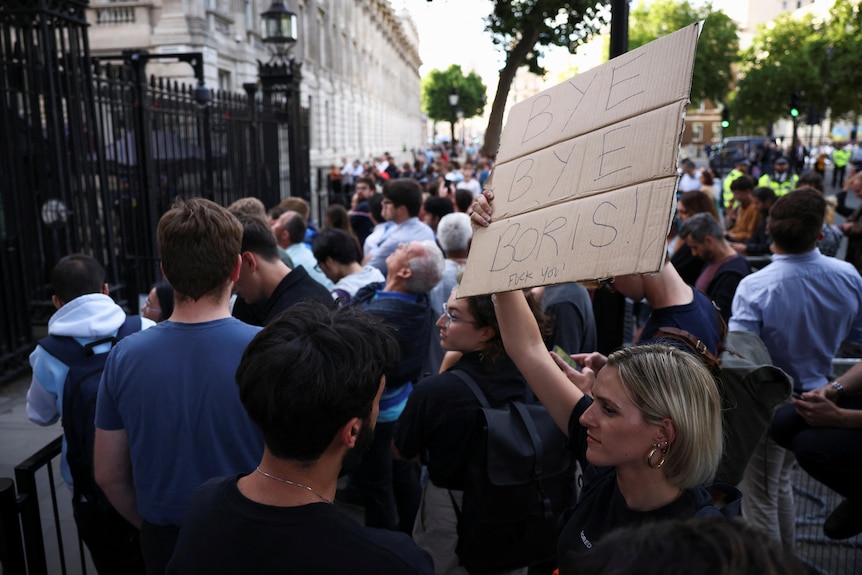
<point x="814" y="503"/>
<point x="20" y="520"/>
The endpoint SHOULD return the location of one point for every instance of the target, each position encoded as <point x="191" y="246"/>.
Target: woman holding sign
<point x="649" y="438"/>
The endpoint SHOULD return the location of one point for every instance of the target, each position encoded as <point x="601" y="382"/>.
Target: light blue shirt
<point x="803" y="306"/>
<point x="410" y="230"/>
<point x="300" y="255"/>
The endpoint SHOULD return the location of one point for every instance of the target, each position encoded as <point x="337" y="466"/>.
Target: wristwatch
<point x="838" y="387"/>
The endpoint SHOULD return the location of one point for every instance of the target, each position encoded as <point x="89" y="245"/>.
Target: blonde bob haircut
<point x="665" y="382"/>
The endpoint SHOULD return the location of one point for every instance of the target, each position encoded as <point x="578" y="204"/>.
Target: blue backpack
<point x="79" y="404"/>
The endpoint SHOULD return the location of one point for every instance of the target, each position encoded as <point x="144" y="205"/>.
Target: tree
<point x="524" y="28"/>
<point x="819" y="59"/>
<point x="717" y="47"/>
<point x="437" y="86"/>
<point x="779" y="63"/>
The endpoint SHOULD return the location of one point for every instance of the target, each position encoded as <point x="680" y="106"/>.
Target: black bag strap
<point x="472" y="386"/>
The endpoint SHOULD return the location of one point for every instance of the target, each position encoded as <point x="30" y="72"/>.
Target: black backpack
<point x="79" y="404"/>
<point x="520" y="478"/>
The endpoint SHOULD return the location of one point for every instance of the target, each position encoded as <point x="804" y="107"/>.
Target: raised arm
<point x="523" y="343"/>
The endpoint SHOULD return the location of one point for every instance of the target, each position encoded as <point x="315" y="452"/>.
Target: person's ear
<point x="349" y="432"/>
<point x="486" y="333"/>
<point x="234" y="274"/>
<point x="106" y="289"/>
<point x="56" y="301"/>
<point x="666" y="431"/>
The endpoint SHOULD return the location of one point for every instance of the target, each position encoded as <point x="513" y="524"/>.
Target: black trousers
<point x="157" y="544"/>
<point x="389" y="487"/>
<point x="113" y="542"/>
<point x="828" y="454"/>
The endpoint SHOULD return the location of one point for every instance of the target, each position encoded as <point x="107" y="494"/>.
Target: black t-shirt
<point x="295" y="287"/>
<point x="441" y="411"/>
<point x="601" y="507"/>
<point x="226" y="533"/>
<point x="723" y="285"/>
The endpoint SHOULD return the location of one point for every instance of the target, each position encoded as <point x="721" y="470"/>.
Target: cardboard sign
<point x="586" y="175"/>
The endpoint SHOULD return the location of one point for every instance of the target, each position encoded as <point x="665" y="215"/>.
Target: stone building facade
<point x="360" y="63"/>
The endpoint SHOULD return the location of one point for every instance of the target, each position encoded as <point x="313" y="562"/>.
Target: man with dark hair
<point x="168" y="415"/>
<point x="434" y="209"/>
<point x="744" y="219"/>
<point x="724" y="266"/>
<point x="87" y="316"/>
<point x="264" y="280"/>
<point x="290" y="235"/>
<point x="802" y="305"/>
<point x="312" y="381"/>
<point x="391" y="489"/>
<point x="402" y="199"/>
<point x="758" y="244"/>
<point x="362" y="218"/>
<point x="463" y="200"/>
<point x="336" y="256"/>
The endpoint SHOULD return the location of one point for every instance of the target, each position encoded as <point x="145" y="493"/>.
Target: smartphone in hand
<point x="567" y="358"/>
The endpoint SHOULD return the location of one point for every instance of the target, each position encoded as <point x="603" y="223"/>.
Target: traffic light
<point x="725" y="118"/>
<point x="794" y="104"/>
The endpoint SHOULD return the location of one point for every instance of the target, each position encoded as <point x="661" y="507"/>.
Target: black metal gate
<point x="93" y="151"/>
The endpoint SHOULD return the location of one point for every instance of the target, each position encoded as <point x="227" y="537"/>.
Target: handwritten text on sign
<point x="586" y="176"/>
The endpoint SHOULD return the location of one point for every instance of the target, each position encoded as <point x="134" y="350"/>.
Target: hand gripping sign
<point x="586" y="175"/>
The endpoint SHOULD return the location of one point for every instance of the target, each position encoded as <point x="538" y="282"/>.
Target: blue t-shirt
<point x="698" y="318"/>
<point x="172" y="388"/>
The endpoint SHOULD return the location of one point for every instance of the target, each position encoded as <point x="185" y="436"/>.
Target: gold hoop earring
<point x="657" y="448"/>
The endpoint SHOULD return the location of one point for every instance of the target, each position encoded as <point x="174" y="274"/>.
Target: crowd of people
<point x="276" y="357"/>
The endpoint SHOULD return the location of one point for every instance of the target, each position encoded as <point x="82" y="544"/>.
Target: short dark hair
<point x="742" y="183"/>
<point x="367" y="181"/>
<point x="811" y="179"/>
<point x="796" y="219"/>
<point x="463" y="199"/>
<point x="199" y="242"/>
<point x="700" y="226"/>
<point x="437" y="206"/>
<point x="296" y="226"/>
<point x="337" y="244"/>
<point x="404" y="192"/>
<point x="165" y="295"/>
<point x="764" y="193"/>
<point x="257" y="236"/>
<point x="693" y="545"/>
<point x="76" y="275"/>
<point x="375" y="207"/>
<point x="310" y="371"/>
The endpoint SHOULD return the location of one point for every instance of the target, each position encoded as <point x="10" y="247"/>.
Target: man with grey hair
<point x="725" y="267"/>
<point x="412" y="270"/>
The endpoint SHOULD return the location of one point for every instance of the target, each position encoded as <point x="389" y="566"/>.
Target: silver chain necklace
<point x="295" y="484"/>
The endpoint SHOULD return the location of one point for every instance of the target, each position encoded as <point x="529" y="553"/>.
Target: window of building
<point x="224" y="80"/>
<point x="697" y="132"/>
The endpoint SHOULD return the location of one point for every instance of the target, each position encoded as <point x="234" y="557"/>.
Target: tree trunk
<point x="514" y="60"/>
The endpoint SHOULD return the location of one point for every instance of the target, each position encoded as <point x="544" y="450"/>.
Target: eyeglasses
<point x="451" y="318"/>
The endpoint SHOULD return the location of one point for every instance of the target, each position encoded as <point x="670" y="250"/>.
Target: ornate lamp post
<point x="453" y="103"/>
<point x="280" y="80"/>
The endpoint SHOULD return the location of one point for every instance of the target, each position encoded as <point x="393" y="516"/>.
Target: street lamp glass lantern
<point x="453" y="97"/>
<point x="279" y="25"/>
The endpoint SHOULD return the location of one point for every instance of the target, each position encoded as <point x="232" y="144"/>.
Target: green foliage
<point x="438" y="84"/>
<point x="717" y="48"/>
<point x="529" y="26"/>
<point x="794" y="54"/>
<point x="523" y="29"/>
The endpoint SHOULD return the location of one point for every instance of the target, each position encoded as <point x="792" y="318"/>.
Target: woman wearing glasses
<point x="440" y="414"/>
